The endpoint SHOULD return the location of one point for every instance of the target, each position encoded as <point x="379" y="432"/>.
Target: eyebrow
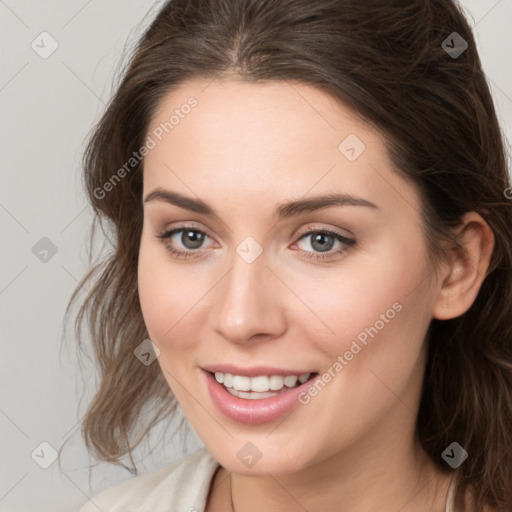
<point x="283" y="211"/>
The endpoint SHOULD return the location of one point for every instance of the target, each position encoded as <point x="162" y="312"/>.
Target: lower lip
<point x="254" y="412"/>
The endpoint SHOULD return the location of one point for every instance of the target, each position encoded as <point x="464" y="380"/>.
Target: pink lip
<point x="254" y="412"/>
<point x="254" y="371"/>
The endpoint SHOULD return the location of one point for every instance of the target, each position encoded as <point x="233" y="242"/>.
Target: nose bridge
<point x="246" y="303"/>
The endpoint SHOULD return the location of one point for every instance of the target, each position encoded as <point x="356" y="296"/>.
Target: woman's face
<point x="273" y="280"/>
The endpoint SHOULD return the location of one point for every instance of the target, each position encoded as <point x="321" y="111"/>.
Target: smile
<point x="258" y="398"/>
<point x="261" y="386"/>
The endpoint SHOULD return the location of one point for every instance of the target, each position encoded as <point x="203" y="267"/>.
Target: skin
<point x="245" y="149"/>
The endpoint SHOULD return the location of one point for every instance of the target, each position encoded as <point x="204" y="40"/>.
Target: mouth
<point x="261" y="397"/>
<point x="260" y="386"/>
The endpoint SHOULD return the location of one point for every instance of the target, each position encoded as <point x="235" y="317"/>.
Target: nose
<point x="249" y="303"/>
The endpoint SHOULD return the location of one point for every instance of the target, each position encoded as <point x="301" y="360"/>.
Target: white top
<point x="179" y="487"/>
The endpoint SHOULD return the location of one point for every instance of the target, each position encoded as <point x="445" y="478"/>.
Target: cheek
<point x="158" y="283"/>
<point x="165" y="313"/>
<point x="376" y="295"/>
<point x="173" y="300"/>
<point x="380" y="318"/>
<point x="153" y="300"/>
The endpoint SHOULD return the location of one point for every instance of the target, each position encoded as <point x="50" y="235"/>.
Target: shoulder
<point x="180" y="486"/>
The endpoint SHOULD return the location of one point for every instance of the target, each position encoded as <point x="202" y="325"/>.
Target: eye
<point x="323" y="241"/>
<point x="190" y="238"/>
<point x="187" y="242"/>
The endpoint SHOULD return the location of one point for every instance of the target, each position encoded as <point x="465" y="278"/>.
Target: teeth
<point x="253" y="395"/>
<point x="260" y="384"/>
<point x="304" y="378"/>
<point x="228" y="380"/>
<point x="241" y="383"/>
<point x="290" y="381"/>
<point x="276" y="382"/>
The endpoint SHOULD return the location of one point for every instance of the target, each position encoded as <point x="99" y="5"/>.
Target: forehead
<point x="237" y="140"/>
<point x="255" y="113"/>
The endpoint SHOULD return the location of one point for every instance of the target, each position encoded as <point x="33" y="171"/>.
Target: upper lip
<point x="253" y="371"/>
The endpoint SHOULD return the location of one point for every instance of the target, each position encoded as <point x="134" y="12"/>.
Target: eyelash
<point x="180" y="254"/>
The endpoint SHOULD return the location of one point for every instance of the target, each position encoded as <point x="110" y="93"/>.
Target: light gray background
<point x="47" y="107"/>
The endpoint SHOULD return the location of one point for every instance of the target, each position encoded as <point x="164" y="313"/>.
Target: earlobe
<point x="467" y="268"/>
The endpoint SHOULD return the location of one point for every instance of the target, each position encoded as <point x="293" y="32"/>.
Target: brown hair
<point x="387" y="61"/>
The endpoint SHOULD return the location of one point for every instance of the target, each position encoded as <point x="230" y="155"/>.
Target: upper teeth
<point x="261" y="383"/>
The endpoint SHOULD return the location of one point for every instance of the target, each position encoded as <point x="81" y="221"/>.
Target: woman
<point x="311" y="225"/>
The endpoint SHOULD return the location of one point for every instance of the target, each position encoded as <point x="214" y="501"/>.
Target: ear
<point x="462" y="275"/>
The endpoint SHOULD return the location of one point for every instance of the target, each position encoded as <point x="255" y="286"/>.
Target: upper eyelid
<point x="332" y="231"/>
<point x="299" y="232"/>
<point x="184" y="226"/>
